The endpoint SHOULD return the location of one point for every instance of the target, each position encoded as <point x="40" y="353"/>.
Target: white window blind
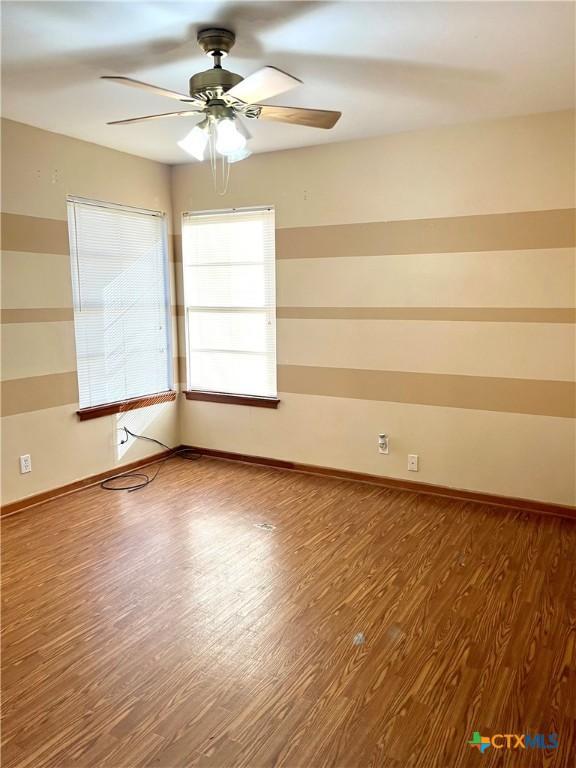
<point x="121" y="301"/>
<point x="230" y="296"/>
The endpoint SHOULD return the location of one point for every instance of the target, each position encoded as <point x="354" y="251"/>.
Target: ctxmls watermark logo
<point x="514" y="741"/>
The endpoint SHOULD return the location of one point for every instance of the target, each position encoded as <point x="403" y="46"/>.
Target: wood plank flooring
<point x="163" y="628"/>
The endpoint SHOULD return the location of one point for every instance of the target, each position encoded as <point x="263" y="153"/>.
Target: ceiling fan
<point x="223" y="97"/>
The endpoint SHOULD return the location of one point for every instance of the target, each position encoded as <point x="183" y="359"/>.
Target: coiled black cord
<point x="141" y="478"/>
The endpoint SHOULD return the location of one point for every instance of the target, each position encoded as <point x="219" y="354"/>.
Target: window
<point x="230" y="297"/>
<point x="121" y="302"/>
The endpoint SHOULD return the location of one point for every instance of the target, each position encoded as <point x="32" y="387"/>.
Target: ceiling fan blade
<point x="187" y="113"/>
<point x="263" y="84"/>
<point x="147" y="87"/>
<point x="315" y="118"/>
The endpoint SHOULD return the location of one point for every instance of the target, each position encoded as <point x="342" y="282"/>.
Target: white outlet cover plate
<point x="25" y="464"/>
<point x="413" y="462"/>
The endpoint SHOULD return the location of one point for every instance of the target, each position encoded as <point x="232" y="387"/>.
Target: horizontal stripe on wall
<point x="541" y="398"/>
<point x="492" y="232"/>
<point x="30" y="233"/>
<point x="37" y="315"/>
<point x="43" y="315"/>
<point x="461" y="314"/>
<point x="472" y="314"/>
<point x="31" y="280"/>
<point x="177" y="248"/>
<point x="36" y="393"/>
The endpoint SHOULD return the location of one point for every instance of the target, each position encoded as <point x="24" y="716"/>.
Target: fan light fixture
<point x="228" y="137"/>
<point x="196" y="141"/>
<point x="219" y="134"/>
<point x="239" y="154"/>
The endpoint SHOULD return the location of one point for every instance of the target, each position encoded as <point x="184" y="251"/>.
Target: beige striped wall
<point x="39" y="384"/>
<point x="426" y="288"/>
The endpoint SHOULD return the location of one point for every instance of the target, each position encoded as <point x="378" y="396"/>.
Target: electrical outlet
<point x="25" y="464"/>
<point x="412" y="462"/>
<point x="383" y="446"/>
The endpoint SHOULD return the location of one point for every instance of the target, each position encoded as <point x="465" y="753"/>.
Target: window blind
<point x="121" y="301"/>
<point x="230" y="296"/>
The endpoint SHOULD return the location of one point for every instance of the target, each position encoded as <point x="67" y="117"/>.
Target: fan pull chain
<point x="220" y="175"/>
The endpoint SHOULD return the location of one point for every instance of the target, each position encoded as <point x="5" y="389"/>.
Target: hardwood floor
<point x="163" y="628"/>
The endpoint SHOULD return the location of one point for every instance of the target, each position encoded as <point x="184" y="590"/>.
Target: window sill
<point x="223" y="397"/>
<point x="107" y="409"/>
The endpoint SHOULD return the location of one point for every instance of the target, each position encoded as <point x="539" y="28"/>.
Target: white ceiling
<point x="388" y="66"/>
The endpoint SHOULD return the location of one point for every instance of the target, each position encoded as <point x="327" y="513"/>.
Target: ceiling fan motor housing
<point x="213" y="81"/>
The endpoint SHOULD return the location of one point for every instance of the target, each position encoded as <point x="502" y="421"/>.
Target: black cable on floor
<point x="142" y="479"/>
